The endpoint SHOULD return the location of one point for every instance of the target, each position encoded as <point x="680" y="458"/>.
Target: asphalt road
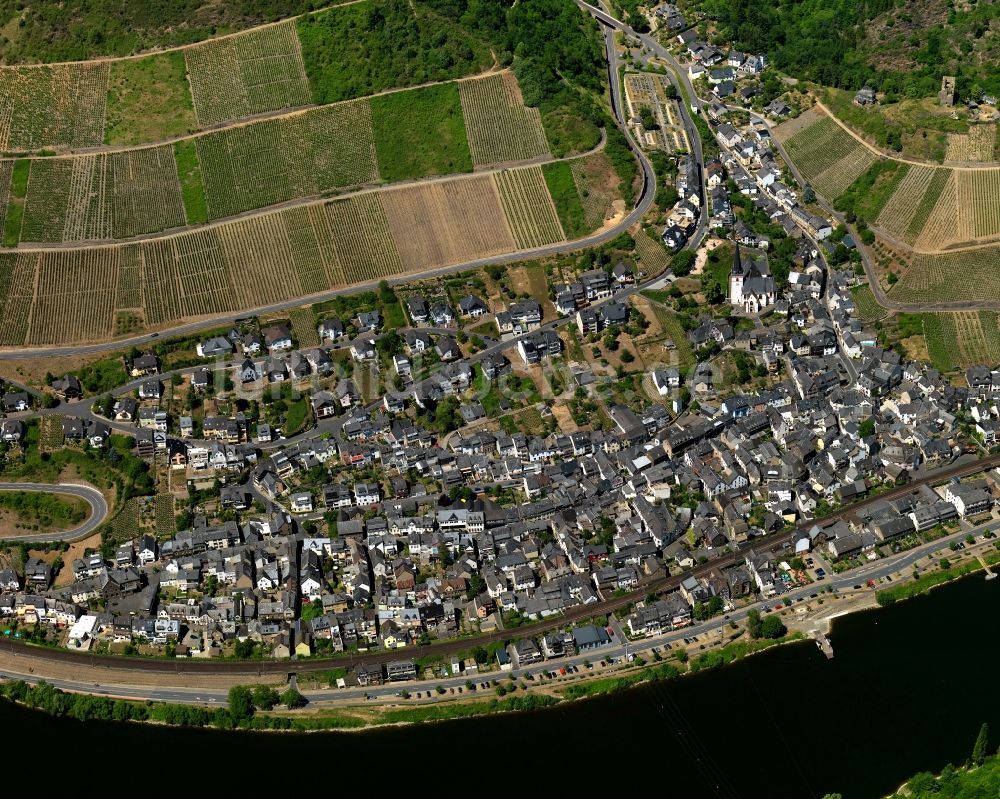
<point x="93" y="497"/>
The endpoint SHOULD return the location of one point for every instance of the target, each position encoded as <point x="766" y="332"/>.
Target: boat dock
<point x="824" y="645"/>
<point x="990" y="574"/>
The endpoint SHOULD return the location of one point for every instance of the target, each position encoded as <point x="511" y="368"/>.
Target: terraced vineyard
<point x="868" y="308"/>
<point x="17" y="281"/>
<point x="904" y="206"/>
<point x="250" y="73"/>
<point x="450" y="222"/>
<point x="276" y="160"/>
<point x="979" y="201"/>
<point x="835" y="179"/>
<point x="529" y="208"/>
<point x="500" y="127"/>
<point x="361" y="239"/>
<point x="950" y="277"/>
<point x="976" y="145"/>
<point x="652" y="252"/>
<point x="826" y="154"/>
<point x="103" y="196"/>
<point x="62" y="105"/>
<point x="72" y="302"/>
<point x="597" y="185"/>
<point x="942" y="224"/>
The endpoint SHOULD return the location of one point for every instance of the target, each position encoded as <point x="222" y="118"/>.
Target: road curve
<point x="95" y="499"/>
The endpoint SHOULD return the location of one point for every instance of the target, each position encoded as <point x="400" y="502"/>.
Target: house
<point x="447" y="349"/>
<point x="215" y="347"/>
<point x="248" y="372"/>
<point x="277" y="338"/>
<point x="471" y="306"/>
<point x="442" y="314"/>
<point x="147" y="364"/>
<point x="14" y="401"/>
<point x="590" y="637"/>
<point x="865" y="96"/>
<point x="363" y="349"/>
<point x="367" y="494"/>
<point x="416" y="307"/>
<point x="666" y="380"/>
<point x="252" y="344"/>
<point x="150" y="390"/>
<point x="540" y="345"/>
<point x="11" y="431"/>
<point x="68" y="387"/>
<point x="301" y="502"/>
<point x="331" y="329"/>
<point x="201" y="379"/>
<point x="369" y="321"/>
<point x="324" y="404"/>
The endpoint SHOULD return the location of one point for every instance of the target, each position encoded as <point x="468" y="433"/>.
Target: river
<point x="906" y="692"/>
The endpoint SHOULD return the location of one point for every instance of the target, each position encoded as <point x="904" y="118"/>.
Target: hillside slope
<point x="903" y="48"/>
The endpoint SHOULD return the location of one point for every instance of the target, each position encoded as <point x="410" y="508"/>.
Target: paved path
<point x="98" y="509"/>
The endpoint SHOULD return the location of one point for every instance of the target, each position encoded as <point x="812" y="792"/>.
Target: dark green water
<point x="907" y="692"/>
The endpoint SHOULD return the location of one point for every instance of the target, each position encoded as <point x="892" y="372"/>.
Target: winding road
<point x="95" y="499"/>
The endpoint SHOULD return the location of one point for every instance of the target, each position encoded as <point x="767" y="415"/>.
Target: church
<point x="750" y="284"/>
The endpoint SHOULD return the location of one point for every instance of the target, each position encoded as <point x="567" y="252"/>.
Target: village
<point x="404" y="505"/>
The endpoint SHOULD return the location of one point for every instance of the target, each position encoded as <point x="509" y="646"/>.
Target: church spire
<point x="737" y="262"/>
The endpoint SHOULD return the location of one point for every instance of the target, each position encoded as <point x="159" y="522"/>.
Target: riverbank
<point x="727" y="644"/>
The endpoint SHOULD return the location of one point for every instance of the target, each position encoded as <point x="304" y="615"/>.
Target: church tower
<point x="736" y="277"/>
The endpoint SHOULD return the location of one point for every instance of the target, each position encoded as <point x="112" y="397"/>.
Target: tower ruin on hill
<point x="947" y="94"/>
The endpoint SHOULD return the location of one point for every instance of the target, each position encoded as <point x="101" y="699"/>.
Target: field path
<point x="298" y="202"/>
<point x="895" y="157"/>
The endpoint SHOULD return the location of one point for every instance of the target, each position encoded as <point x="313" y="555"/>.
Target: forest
<point x="883" y="43"/>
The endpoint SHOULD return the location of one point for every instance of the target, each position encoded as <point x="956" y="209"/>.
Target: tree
<point x="293" y="699"/>
<point x="240" y="702"/>
<point x="981" y="748"/>
<point x="772" y="627"/>
<point x="264" y="697"/>
<point x="754" y="624"/>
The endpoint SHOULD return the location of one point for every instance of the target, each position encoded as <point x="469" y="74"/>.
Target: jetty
<point x="990" y="574"/>
<point x="824" y="644"/>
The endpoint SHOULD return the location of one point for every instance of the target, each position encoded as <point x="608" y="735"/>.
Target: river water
<point x="907" y="691"/>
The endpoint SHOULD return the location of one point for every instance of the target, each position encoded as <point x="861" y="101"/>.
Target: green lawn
<point x="369" y="47"/>
<point x="420" y="133"/>
<point x="192" y="186"/>
<point x="149" y="100"/>
<point x="569" y="206"/>
<point x="295" y="418"/>
<point x="15" y="204"/>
